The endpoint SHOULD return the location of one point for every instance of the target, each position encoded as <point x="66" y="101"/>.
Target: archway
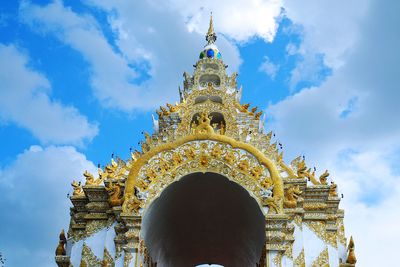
<point x="204" y="218"/>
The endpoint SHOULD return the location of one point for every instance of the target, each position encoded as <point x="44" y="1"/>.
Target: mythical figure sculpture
<point x="292" y="195"/>
<point x="164" y="111"/>
<point x="77" y="189"/>
<point x="242" y="108"/>
<point x="333" y="190"/>
<point x="114" y="191"/>
<point x="172" y="108"/>
<point x="253" y="110"/>
<point x="131" y="203"/>
<point x="301" y="169"/>
<point x="274" y="204"/>
<point x="90" y="179"/>
<point x="204" y="125"/>
<point x="322" y="178"/>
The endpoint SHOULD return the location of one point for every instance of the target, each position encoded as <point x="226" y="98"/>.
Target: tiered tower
<point x="208" y="142"/>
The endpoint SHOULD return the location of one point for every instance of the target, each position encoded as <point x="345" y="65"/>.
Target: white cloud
<point x="329" y="27"/>
<point x="149" y="39"/>
<point x="33" y="192"/>
<point x="25" y="100"/>
<point x="240" y="20"/>
<point x="269" y="68"/>
<point x="358" y="148"/>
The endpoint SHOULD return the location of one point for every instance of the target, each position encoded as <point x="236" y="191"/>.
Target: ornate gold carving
<point x="341" y="232"/>
<point x="323" y="177"/>
<point x="297" y="220"/>
<point x="88" y="258"/>
<point x="131" y="204"/>
<point x="114" y="190"/>
<point x="77" y="189"/>
<point x="301" y="171"/>
<point x="173" y="108"/>
<point x="331" y="237"/>
<point x="317" y="227"/>
<point x="300" y="261"/>
<point x="108" y="260"/>
<point x="292" y="195"/>
<point x="274" y="204"/>
<point x="315" y="206"/>
<point x="289" y="251"/>
<point x="164" y="111"/>
<point x="90" y="180"/>
<point x="242" y="108"/>
<point x="204" y="125"/>
<point x="277" y="260"/>
<point x="194" y="146"/>
<point x="322" y="260"/>
<point x="333" y="190"/>
<point x="127" y="258"/>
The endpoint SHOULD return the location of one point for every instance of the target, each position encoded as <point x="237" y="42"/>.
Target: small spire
<point x="211" y="37"/>
<point x="351" y="258"/>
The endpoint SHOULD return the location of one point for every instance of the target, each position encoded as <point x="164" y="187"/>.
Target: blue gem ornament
<point x="210" y="53"/>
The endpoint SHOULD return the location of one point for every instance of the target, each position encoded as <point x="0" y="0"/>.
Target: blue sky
<point x="80" y="81"/>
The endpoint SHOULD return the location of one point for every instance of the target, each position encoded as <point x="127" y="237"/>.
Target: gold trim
<point x="322" y="260"/>
<point x="262" y="159"/>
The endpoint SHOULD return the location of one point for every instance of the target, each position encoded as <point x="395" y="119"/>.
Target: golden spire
<point x="351" y="258"/>
<point x="211" y="37"/>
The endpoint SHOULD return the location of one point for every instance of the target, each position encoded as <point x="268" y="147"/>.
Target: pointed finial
<point x="211" y="37"/>
<point x="351" y="258"/>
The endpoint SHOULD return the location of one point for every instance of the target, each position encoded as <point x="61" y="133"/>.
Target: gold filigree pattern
<point x="298" y="221"/>
<point x="341" y="232"/>
<point x="300" y="261"/>
<point x="108" y="260"/>
<point x="88" y="258"/>
<point x="331" y="237"/>
<point x="318" y="227"/>
<point x="277" y="260"/>
<point x="322" y="260"/>
<point x="289" y="252"/>
<point x="92" y="227"/>
<point x="315" y="206"/>
<point x="127" y="258"/>
<point x="202" y="146"/>
<point x="210" y="130"/>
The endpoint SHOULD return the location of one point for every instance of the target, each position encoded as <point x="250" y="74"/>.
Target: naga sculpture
<point x="77" y="189"/>
<point x="114" y="191"/>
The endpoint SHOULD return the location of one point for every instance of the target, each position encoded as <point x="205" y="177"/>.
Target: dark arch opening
<point x="203" y="219"/>
<point x="209" y="78"/>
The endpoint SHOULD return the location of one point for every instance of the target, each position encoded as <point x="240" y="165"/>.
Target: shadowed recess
<point x="204" y="218"/>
